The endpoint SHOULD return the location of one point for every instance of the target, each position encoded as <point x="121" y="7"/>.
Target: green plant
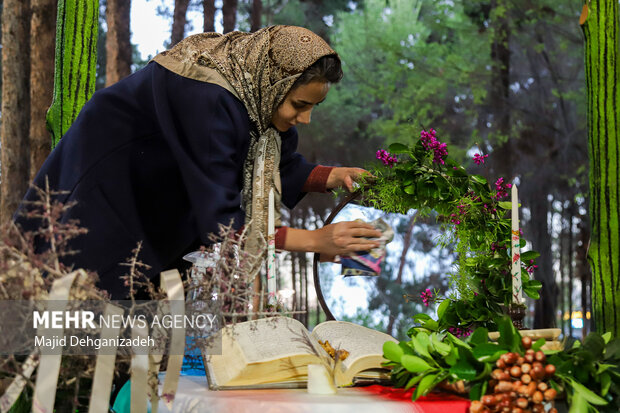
<point x="473" y="216"/>
<point x="588" y="374"/>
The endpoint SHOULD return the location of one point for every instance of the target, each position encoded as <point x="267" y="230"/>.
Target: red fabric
<point x="280" y="237"/>
<point x="432" y="403"/>
<point x="317" y="180"/>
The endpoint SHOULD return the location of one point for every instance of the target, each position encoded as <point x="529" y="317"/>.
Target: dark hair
<point x="326" y="69"/>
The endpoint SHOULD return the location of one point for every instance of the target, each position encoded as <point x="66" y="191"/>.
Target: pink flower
<point x="430" y="142"/>
<point x="460" y="332"/>
<point x="501" y="188"/>
<point x="387" y="158"/>
<point x="426" y="296"/>
<point x="479" y="159"/>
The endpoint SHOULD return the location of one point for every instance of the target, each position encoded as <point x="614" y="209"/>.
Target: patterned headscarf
<point x="259" y="68"/>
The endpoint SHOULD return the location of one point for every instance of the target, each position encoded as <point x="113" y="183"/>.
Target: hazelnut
<point x="526" y="378"/>
<point x="527" y="342"/>
<point x="516" y="410"/>
<point x="531" y="389"/>
<point x="550" y="370"/>
<point x="526" y="368"/>
<point x="542" y="386"/>
<point x="553" y="410"/>
<point x="500" y="363"/>
<point x="550" y="394"/>
<point x="520" y="360"/>
<point x="538" y="372"/>
<point x="537" y="397"/>
<point x="522" y="402"/>
<point x="488" y="400"/>
<point x="515" y="371"/>
<point x="529" y="358"/>
<point x="476" y="407"/>
<point x="540" y="356"/>
<point x="538" y="408"/>
<point x="503" y="386"/>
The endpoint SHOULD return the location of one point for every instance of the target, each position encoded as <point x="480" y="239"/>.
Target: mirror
<point x="387" y="302"/>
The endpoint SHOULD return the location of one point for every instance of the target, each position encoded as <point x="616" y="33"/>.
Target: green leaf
<point x="424" y="386"/>
<point x="440" y="347"/>
<point x="578" y="404"/>
<point x="478" y="390"/>
<point x="586" y="393"/>
<point x="420" y="344"/>
<point x="414" y="364"/>
<point x="508" y="335"/>
<point x="595" y="344"/>
<point x="532" y="293"/>
<point x="479" y="336"/>
<point x="605" y="383"/>
<point x="607" y="337"/>
<point x="396" y="148"/>
<point x="488" y="352"/>
<point x="538" y="344"/>
<point x="463" y="370"/>
<point x="478" y="179"/>
<point x="452" y="358"/>
<point x="392" y="351"/>
<point x="413" y="381"/>
<point x="410" y="189"/>
<point x="529" y="255"/>
<point x="505" y="204"/>
<point x="442" y="308"/>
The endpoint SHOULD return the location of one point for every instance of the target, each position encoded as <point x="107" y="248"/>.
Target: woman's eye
<point x="298" y="105"/>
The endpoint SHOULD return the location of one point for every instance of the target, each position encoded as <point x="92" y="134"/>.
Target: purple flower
<point x="479" y="159"/>
<point x="387" y="158"/>
<point x="426" y="296"/>
<point x="430" y="143"/>
<point x="501" y="188"/>
<point x="460" y="332"/>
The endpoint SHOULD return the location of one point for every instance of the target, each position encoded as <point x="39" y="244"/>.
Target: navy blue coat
<point x="156" y="158"/>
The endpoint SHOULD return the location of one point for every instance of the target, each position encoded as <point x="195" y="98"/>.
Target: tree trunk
<point x="602" y="72"/>
<point x="15" y="105"/>
<point x="75" y="62"/>
<point x="562" y="257"/>
<point x="179" y="21"/>
<point x="209" y="15"/>
<point x="229" y="12"/>
<point x="256" y="15"/>
<point x="118" y="45"/>
<point x="570" y="270"/>
<point x="544" y="316"/>
<point x="43" y="29"/>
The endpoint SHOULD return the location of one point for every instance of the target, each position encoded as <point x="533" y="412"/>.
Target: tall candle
<point x="517" y="288"/>
<point x="271" y="251"/>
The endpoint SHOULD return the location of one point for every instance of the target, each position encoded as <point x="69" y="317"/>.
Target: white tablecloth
<point x="194" y="396"/>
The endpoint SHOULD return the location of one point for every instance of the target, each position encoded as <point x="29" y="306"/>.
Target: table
<point x="193" y="396"/>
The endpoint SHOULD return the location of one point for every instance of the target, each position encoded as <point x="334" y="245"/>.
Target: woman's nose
<point x="303" y="117"/>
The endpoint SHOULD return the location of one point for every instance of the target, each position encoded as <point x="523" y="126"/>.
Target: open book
<point x="275" y="352"/>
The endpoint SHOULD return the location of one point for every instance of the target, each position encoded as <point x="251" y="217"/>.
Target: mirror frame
<point x="317" y="257"/>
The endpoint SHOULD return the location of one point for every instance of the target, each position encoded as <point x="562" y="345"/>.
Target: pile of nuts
<point x="519" y="384"/>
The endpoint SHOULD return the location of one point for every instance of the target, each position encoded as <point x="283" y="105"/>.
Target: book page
<point x="359" y="341"/>
<point x="272" y="338"/>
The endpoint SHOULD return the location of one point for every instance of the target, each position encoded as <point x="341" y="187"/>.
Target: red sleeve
<point x="317" y="181"/>
<point x="280" y="237"/>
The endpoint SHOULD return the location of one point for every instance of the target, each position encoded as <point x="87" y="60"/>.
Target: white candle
<point x="517" y="290"/>
<point x="271" y="251"/>
<point x="319" y="380"/>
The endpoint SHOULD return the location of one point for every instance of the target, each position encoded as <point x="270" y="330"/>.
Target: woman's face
<point x="298" y="105"/>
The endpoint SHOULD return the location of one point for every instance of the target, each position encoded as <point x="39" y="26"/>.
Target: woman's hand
<point x="345" y="178"/>
<point x="342" y="238"/>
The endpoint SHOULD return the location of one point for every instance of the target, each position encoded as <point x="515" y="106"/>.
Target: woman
<point x="195" y="139"/>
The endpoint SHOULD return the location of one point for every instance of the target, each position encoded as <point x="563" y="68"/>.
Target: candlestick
<point x="271" y="251"/>
<point x="517" y="290"/>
